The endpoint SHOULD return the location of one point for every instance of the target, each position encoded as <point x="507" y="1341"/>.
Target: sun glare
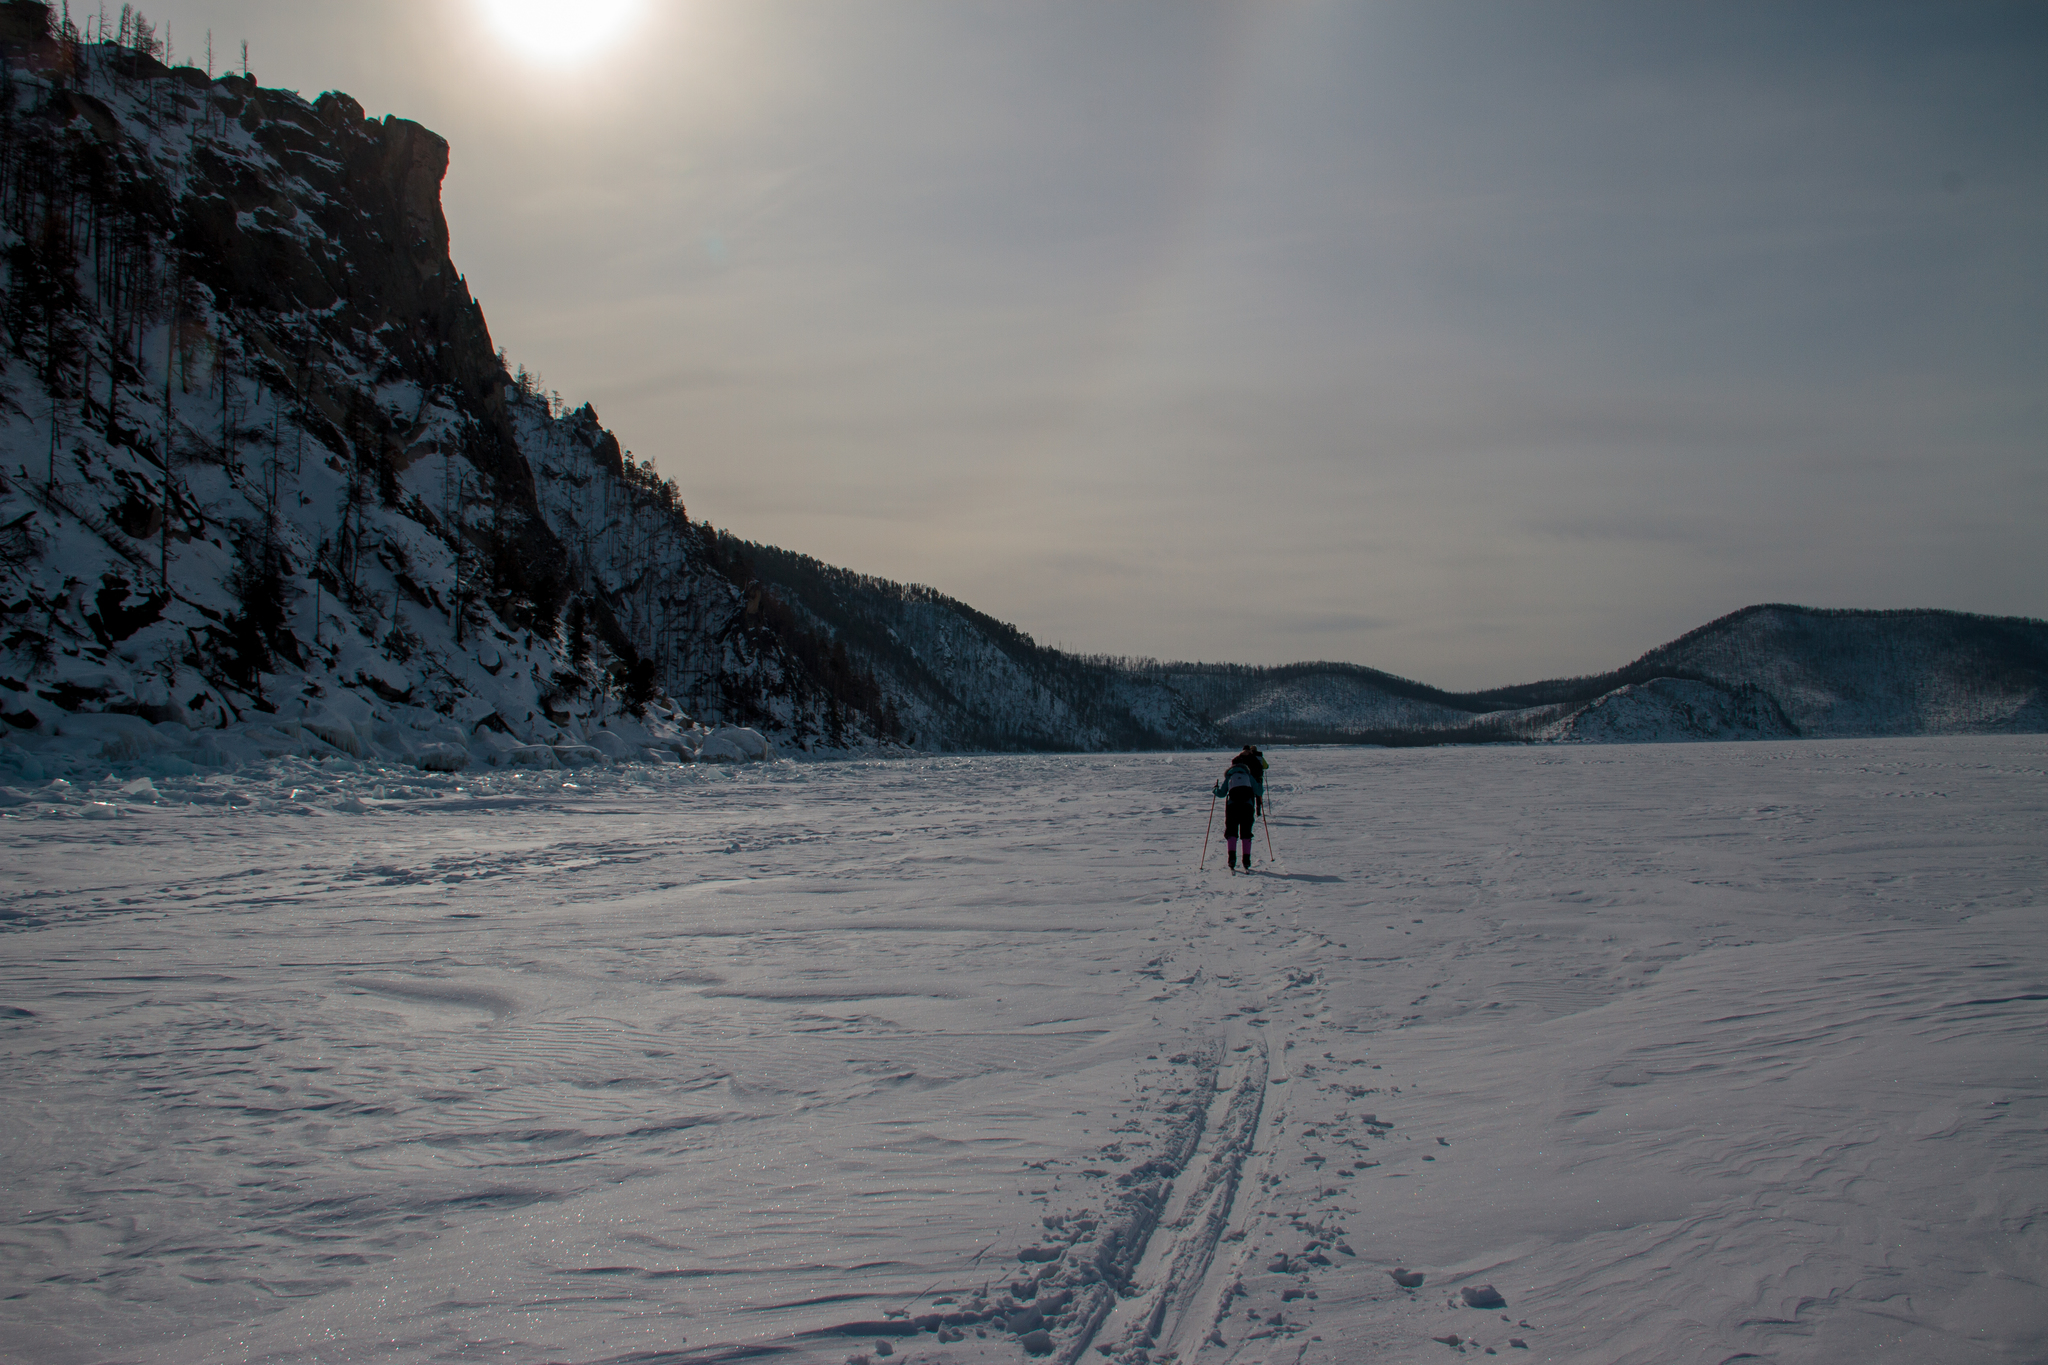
<point x="560" y="32"/>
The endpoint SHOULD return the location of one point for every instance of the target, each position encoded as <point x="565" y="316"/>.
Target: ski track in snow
<point x="1693" y="1053"/>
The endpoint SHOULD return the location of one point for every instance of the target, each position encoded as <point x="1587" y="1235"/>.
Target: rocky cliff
<point x="262" y="471"/>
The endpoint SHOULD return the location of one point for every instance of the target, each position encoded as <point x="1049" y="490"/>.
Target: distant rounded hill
<point x="1772" y="671"/>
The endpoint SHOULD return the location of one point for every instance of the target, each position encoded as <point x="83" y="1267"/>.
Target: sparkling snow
<point x="1686" y="1051"/>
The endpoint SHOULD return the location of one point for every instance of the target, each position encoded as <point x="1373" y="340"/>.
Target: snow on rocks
<point x="612" y="745"/>
<point x="733" y="744"/>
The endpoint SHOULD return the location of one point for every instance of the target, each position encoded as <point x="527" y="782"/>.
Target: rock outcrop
<point x="263" y="471"/>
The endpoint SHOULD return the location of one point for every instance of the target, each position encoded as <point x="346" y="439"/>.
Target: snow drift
<point x="1689" y="1052"/>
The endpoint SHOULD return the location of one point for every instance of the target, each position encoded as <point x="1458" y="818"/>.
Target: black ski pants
<point x="1237" y="818"/>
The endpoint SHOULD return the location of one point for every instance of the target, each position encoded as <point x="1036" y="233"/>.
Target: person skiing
<point x="1244" y="791"/>
<point x="1250" y="756"/>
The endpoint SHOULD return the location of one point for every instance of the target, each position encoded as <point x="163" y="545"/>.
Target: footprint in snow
<point x="1406" y="1278"/>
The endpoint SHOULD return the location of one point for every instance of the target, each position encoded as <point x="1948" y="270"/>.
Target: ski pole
<point x="1269" y="832"/>
<point x="1205" y="833"/>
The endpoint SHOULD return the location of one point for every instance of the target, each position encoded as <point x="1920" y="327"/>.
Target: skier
<point x="1244" y="791"/>
<point x="1250" y="756"/>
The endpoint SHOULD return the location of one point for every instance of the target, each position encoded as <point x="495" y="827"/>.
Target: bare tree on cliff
<point x="137" y="34"/>
<point x="170" y="367"/>
<point x="42" y="309"/>
<point x="225" y="369"/>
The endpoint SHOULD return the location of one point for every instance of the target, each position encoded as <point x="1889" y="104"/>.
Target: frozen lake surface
<point x="1687" y="1051"/>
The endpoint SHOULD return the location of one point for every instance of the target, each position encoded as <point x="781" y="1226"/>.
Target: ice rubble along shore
<point x="131" y="746"/>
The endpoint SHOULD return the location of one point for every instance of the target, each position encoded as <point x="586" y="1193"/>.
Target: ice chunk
<point x="441" y="758"/>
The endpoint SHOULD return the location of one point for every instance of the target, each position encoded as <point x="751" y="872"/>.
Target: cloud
<point x="1335" y="623"/>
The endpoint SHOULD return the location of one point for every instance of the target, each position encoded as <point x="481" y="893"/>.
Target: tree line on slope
<point x="1067" y="702"/>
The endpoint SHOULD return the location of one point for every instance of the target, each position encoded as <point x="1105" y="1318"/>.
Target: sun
<point x="561" y="32"/>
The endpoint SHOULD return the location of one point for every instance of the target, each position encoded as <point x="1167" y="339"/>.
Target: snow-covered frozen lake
<point x="1686" y="1050"/>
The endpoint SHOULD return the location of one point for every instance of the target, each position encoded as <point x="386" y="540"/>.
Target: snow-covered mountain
<point x="1765" y="672"/>
<point x="268" y="487"/>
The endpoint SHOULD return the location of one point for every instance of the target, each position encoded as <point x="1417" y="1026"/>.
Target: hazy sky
<point x="1474" y="341"/>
